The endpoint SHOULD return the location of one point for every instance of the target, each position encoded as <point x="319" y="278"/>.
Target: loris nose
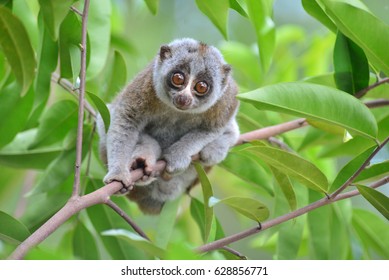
<point x="182" y="101"/>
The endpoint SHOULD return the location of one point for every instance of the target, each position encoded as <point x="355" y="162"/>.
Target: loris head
<point x="190" y="76"/>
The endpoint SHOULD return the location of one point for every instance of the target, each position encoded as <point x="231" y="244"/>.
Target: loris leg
<point x="146" y="153"/>
<point x="151" y="198"/>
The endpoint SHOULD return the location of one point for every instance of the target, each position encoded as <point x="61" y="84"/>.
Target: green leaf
<point x="153" y="6"/>
<point x="99" y="35"/>
<point x="340" y="225"/>
<point x="136" y="241"/>
<point x="248" y="169"/>
<point x="42" y="207"/>
<point x="217" y="12"/>
<point x="181" y="251"/>
<point x="244" y="61"/>
<point x="17" y="155"/>
<point x="314" y="9"/>
<point x="289" y="239"/>
<point x="54" y="12"/>
<point x="47" y="63"/>
<point x="235" y="5"/>
<point x="292" y="165"/>
<point x="248" y="207"/>
<point x="207" y="194"/>
<point x="366" y="30"/>
<point x="350" y="168"/>
<point x="373" y="171"/>
<point x="287" y="188"/>
<point x="117" y="77"/>
<point x="14" y="114"/>
<point x="321" y="103"/>
<point x="351" y="65"/>
<point x="377" y="199"/>
<point x="260" y="14"/>
<point x="55" y="123"/>
<point x="197" y="211"/>
<point x="56" y="173"/>
<point x="198" y="214"/>
<point x="16" y="46"/>
<point x="102" y="108"/>
<point x="11" y="230"/>
<point x="319" y="229"/>
<point x="166" y="222"/>
<point x="373" y="232"/>
<point x="84" y="245"/>
<point x="69" y="41"/>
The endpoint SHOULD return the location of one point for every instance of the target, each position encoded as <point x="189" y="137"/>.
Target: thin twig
<point x="74" y="9"/>
<point x="359" y="170"/>
<point x="362" y="92"/>
<point x="68" y="86"/>
<point x="123" y="214"/>
<point x="377" y="103"/>
<point x="276" y="221"/>
<point x="81" y="102"/>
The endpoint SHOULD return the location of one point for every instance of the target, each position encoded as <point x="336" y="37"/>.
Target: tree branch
<point x="271" y="131"/>
<point x="276" y="221"/>
<point x="80" y="124"/>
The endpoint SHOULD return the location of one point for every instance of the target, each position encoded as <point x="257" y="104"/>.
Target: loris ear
<point x="226" y="70"/>
<point x="165" y="52"/>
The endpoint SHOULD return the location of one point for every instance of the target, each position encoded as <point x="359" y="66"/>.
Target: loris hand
<point x="176" y="163"/>
<point x="213" y="153"/>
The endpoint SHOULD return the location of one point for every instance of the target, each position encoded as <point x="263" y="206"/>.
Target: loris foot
<point x="147" y="165"/>
<point x="120" y="176"/>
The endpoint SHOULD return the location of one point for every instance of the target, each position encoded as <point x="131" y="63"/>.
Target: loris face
<point x="190" y="76"/>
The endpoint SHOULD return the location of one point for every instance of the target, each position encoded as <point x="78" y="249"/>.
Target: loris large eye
<point x="201" y="88"/>
<point x="178" y="79"/>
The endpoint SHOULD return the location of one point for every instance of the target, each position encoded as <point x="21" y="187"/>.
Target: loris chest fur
<point x="184" y="102"/>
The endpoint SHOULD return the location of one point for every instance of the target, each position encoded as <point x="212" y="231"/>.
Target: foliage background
<point x="38" y="124"/>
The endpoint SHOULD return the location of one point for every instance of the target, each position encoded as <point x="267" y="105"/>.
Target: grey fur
<point x="147" y="121"/>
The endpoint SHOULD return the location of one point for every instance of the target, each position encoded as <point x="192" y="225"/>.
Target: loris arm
<point x="179" y="155"/>
<point x="122" y="137"/>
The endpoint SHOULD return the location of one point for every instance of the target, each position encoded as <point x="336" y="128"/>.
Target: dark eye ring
<point x="178" y="79"/>
<point x="201" y="88"/>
